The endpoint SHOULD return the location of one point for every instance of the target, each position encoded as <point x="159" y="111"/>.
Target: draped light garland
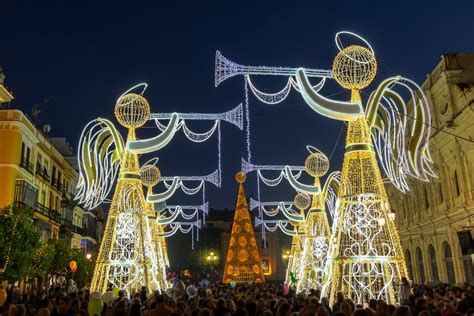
<point x="247" y="167"/>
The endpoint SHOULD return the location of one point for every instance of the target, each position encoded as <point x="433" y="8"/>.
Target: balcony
<point x="25" y="193"/>
<point x="28" y="166"/>
<point x="69" y="227"/>
<point x="55" y="183"/>
<point x="66" y="225"/>
<point x="50" y="214"/>
<point x="42" y="172"/>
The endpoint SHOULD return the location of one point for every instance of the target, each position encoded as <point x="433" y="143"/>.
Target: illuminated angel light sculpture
<point x="311" y="255"/>
<point x="129" y="256"/>
<point x="365" y="259"/>
<point x="301" y="201"/>
<point x="311" y="232"/>
<point x="150" y="176"/>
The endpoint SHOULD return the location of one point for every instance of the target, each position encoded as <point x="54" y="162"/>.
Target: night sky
<point x="81" y="58"/>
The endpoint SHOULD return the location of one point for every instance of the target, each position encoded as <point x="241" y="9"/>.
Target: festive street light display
<point x="365" y="259"/>
<point x="242" y="263"/>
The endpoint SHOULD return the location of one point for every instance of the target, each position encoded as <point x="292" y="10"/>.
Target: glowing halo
<point x="313" y="149"/>
<point x="143" y="84"/>
<point x="152" y="161"/>
<point x="341" y="48"/>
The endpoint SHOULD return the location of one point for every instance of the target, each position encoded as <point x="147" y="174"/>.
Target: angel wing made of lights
<point x="401" y="133"/>
<point x="101" y="148"/>
<point x="99" y="156"/>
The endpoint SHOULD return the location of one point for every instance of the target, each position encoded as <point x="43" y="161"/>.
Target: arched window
<point x="419" y="265"/>
<point x="433" y="263"/>
<point x="448" y="259"/>
<point x="409" y="265"/>
<point x="456" y="184"/>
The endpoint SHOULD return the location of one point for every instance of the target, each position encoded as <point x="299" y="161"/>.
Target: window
<point x="409" y="265"/>
<point x="427" y="202"/>
<point x="448" y="259"/>
<point x="440" y="189"/>
<point x="468" y="269"/>
<point x="43" y="197"/>
<point x="419" y="265"/>
<point x="51" y="201"/>
<point x="456" y="184"/>
<point x="433" y="263"/>
<point x="23" y="152"/>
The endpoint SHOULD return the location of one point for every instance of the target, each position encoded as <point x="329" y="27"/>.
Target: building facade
<point x="436" y="219"/>
<point x="35" y="173"/>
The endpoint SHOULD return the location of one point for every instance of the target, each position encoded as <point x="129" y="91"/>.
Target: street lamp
<point x="286" y="255"/>
<point x="211" y="258"/>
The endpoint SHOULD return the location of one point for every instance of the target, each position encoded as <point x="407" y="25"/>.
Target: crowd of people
<point x="247" y="300"/>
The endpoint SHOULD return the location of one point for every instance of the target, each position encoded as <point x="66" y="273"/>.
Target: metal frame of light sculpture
<point x="365" y="258"/>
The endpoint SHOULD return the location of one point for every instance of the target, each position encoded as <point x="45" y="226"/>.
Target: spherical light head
<point x="150" y="175"/>
<point x="132" y="110"/>
<point x="240" y="177"/>
<point x="354" y="67"/>
<point x="302" y="201"/>
<point x="317" y="164"/>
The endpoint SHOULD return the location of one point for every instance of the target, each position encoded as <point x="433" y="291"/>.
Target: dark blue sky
<point x="82" y="57"/>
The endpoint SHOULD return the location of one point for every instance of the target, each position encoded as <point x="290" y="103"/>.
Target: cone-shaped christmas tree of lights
<point x="365" y="259"/>
<point x="243" y="262"/>
<point x="127" y="259"/>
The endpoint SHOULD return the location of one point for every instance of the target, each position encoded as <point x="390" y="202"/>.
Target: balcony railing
<point x="28" y="166"/>
<point x="25" y="193"/>
<point x="55" y="183"/>
<point x="50" y="214"/>
<point x="68" y="226"/>
<point x="42" y="172"/>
